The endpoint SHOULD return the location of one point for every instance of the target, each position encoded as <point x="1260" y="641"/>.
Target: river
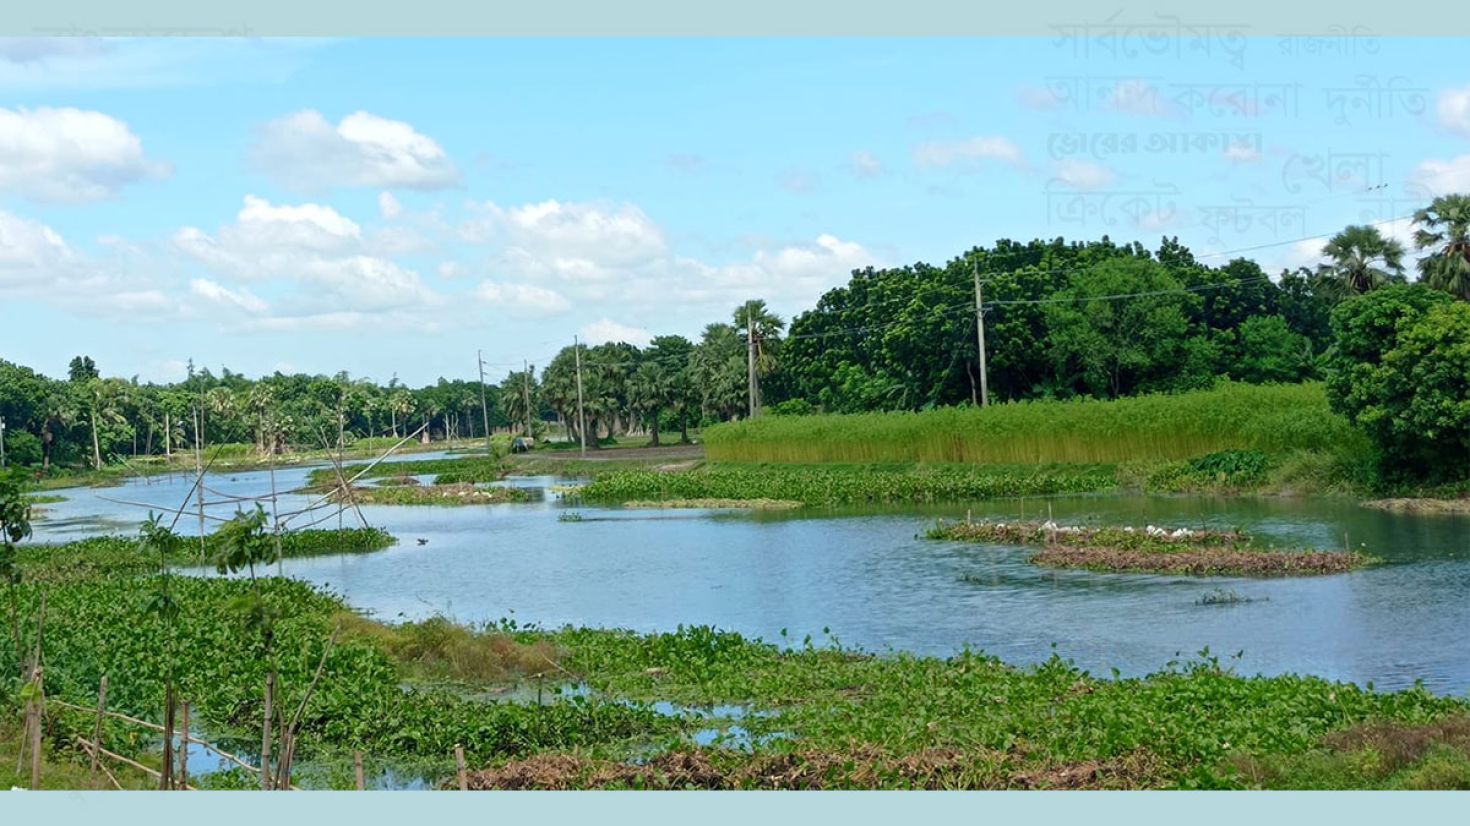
<point x="864" y="578"/>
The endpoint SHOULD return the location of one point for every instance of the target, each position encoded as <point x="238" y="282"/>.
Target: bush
<point x="22" y="448"/>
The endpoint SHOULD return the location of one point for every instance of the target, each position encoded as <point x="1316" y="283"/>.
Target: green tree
<point x="1360" y="259"/>
<point x="1444" y="232"/>
<point x="15" y="527"/>
<point x="1368" y="375"/>
<point x="1109" y="347"/>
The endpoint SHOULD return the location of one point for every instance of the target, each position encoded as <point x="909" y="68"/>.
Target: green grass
<point x="1232" y="417"/>
<point x="846" y="485"/>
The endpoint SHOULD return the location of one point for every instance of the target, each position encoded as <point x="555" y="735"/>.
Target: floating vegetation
<point x="1223" y="596"/>
<point x="453" y="471"/>
<point x="1421" y="505"/>
<point x="399" y="481"/>
<point x="846" y="484"/>
<point x="1152" y="549"/>
<point x="434" y="495"/>
<point x="569" y="516"/>
<point x="746" y="504"/>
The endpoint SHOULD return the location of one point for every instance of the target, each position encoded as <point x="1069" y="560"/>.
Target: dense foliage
<point x="1401" y="372"/>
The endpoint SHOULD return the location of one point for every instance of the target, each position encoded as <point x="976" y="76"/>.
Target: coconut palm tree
<point x="1444" y="232"/>
<point x="1360" y="259"/>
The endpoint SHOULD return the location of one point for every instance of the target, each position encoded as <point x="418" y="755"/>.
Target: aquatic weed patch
<point x="1152" y="549"/>
<point x="439" y="495"/>
<point x="845" y="485"/>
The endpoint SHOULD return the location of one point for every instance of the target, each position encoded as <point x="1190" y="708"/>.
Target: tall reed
<point x="1273" y="418"/>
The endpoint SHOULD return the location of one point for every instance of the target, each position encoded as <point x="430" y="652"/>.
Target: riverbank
<point x="583" y="708"/>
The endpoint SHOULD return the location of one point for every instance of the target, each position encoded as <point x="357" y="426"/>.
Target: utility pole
<point x="526" y="385"/>
<point x="754" y="388"/>
<point x="980" y="336"/>
<point x="484" y="411"/>
<point x="581" y="417"/>
<point x="2" y="442"/>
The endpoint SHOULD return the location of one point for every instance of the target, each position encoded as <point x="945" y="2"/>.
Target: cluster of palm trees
<point x="1361" y="258"/>
<point x="671" y="382"/>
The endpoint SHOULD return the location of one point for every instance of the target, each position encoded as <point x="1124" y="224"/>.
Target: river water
<point x="865" y="578"/>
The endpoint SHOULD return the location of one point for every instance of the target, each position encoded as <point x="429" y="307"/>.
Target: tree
<point x="675" y="354"/>
<point x="15" y="526"/>
<point x="650" y="390"/>
<point x="1268" y="351"/>
<point x="720" y="372"/>
<point x="81" y="369"/>
<point x="1109" y="347"/>
<point x="1360" y="259"/>
<point x="1372" y="377"/>
<point x="1444" y="232"/>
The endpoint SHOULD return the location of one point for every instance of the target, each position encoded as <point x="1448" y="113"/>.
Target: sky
<point x="389" y="207"/>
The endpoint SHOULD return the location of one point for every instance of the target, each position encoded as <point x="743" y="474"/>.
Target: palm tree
<point x="650" y="390"/>
<point x="1444" y="230"/>
<point x="400" y="404"/>
<point x="1360" y="259"/>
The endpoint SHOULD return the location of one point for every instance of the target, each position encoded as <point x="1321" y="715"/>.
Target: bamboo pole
<point x="166" y="776"/>
<point x="156" y="727"/>
<point x="37" y="722"/>
<point x="81" y="741"/>
<point x="184" y="748"/>
<point x="357" y="770"/>
<point x="265" y="735"/>
<point x="464" y="780"/>
<point x="97" y="728"/>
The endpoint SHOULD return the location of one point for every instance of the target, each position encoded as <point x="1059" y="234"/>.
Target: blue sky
<point x="390" y="206"/>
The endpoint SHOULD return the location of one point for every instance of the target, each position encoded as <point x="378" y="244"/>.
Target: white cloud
<point x="238" y="299"/>
<point x="37" y="262"/>
<point x="388" y="206"/>
<point x="1241" y="152"/>
<point x="522" y="298"/>
<point x="304" y="151"/>
<point x="949" y="153"/>
<point x="1453" y="108"/>
<point x="451" y="269"/>
<point x="1443" y="177"/>
<point x="1039" y="98"/>
<point x="1136" y="97"/>
<point x="865" y="164"/>
<point x="605" y="330"/>
<point x="799" y="181"/>
<point x="29" y="250"/>
<point x="337" y="273"/>
<point x="1084" y="174"/>
<point x="70" y="155"/>
<point x="570" y="239"/>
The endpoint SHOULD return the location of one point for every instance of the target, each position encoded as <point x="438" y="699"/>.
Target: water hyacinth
<point x="840" y="485"/>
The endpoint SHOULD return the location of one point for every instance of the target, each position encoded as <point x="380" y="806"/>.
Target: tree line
<point x="1062" y="319"/>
